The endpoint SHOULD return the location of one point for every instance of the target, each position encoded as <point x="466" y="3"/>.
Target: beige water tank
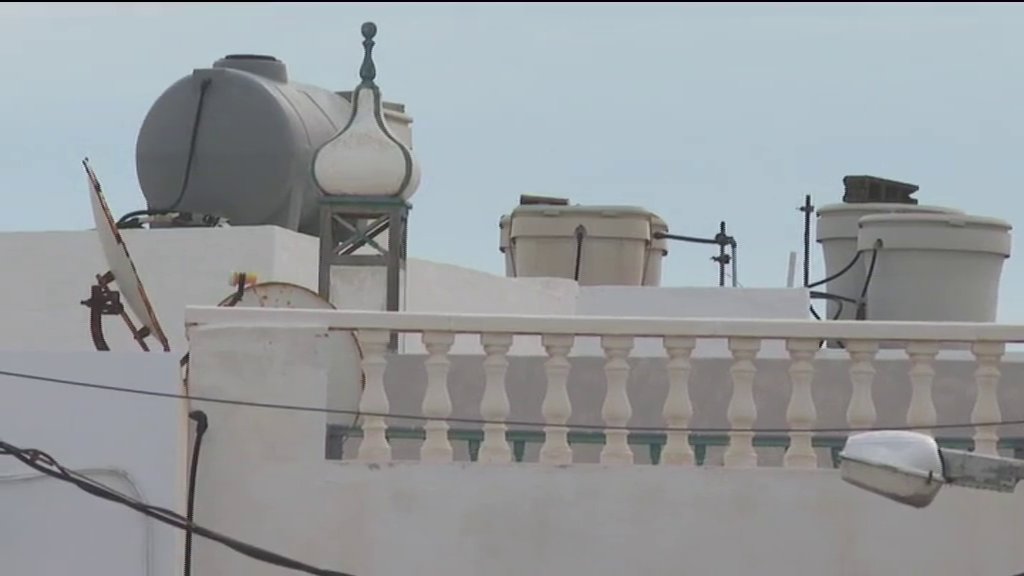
<point x="836" y="231"/>
<point x="595" y="245"/>
<point x="934" y="267"/>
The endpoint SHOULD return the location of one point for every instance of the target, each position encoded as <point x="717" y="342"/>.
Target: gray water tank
<point x="253" y="148"/>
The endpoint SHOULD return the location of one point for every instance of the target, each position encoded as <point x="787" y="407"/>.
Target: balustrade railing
<point x="493" y="436"/>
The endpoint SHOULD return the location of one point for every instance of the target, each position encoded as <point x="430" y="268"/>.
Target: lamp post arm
<point x="972" y="470"/>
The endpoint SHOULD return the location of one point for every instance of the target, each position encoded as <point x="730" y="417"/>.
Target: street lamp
<point x="910" y="468"/>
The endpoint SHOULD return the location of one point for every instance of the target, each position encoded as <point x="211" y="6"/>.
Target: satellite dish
<point x="122" y="271"/>
<point x="346" y="381"/>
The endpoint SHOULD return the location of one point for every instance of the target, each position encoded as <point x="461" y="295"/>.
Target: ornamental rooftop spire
<point x="365" y="158"/>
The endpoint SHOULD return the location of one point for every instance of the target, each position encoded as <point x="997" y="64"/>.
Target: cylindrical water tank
<point x="251" y="135"/>
<point x="837" y="233"/>
<point x="934" y="267"/>
<point x="597" y="245"/>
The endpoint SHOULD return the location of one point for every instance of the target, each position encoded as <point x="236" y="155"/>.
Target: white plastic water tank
<point x="657" y="250"/>
<point x="612" y="248"/>
<point x="837" y="234"/>
<point x="934" y="267"/>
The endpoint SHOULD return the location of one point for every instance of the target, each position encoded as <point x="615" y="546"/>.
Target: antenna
<point x="104" y="301"/>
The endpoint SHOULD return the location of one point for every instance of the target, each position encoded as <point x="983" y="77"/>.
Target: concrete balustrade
<point x="492" y="437"/>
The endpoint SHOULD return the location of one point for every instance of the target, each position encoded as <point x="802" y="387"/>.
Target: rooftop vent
<point x="864" y="189"/>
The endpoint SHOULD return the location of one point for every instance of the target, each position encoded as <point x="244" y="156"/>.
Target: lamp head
<point x="903" y="466"/>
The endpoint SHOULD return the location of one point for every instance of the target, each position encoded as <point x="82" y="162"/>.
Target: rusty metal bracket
<point x="102" y="302"/>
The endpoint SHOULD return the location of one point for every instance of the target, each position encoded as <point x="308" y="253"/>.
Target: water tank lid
<point x="955" y="232"/>
<point x="839" y="221"/>
<point x="872" y="207"/>
<point x="251" y="57"/>
<point x="623" y="222"/>
<point x="259" y="64"/>
<point x="563" y="210"/>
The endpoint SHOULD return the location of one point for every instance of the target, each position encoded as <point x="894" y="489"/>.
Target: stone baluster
<point x="921" y="413"/>
<point x="986" y="405"/>
<point x="801" y="414"/>
<point x="678" y="408"/>
<point x="616" y="410"/>
<point x="861" y="412"/>
<point x="374" y="446"/>
<point x="556" y="407"/>
<point x="494" y="407"/>
<point x="742" y="412"/>
<point x="437" y="404"/>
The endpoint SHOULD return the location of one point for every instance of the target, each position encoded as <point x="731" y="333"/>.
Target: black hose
<point x="732" y="246"/>
<point x="832" y="297"/>
<point x="202" y="423"/>
<point x="862" y="305"/>
<point x="845" y="269"/>
<point x="123" y="222"/>
<point x="839" y="300"/>
<point x="581" y="232"/>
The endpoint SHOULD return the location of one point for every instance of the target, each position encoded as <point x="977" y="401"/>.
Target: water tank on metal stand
<point x="237" y="140"/>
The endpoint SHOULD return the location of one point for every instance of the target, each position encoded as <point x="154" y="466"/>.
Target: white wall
<point x="270" y="486"/>
<point x="470" y="520"/>
<point x="48" y="274"/>
<point x="134" y="444"/>
<point x="51" y="273"/>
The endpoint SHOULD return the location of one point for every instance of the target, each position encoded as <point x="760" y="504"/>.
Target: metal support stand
<point x="106" y="302"/>
<point x="348" y="223"/>
<point x="723" y="240"/>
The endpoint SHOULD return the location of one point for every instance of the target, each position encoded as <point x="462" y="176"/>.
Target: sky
<point x="698" y="112"/>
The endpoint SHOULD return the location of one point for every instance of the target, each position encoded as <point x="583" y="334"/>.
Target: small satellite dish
<point x="122" y="271"/>
<point x="346" y="381"/>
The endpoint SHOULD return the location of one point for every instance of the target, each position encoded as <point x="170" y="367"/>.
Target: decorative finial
<point x="365" y="159"/>
<point x="368" y="72"/>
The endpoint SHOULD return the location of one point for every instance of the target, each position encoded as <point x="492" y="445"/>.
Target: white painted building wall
<point x="133" y="444"/>
<point x="51" y="273"/>
<point x="271" y="486"/>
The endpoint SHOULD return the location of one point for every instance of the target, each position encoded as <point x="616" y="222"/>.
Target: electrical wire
<point x="482" y="421"/>
<point x="46" y="464"/>
<point x="118" y="473"/>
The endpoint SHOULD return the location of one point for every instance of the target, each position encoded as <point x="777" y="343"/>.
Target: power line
<point x="44" y="463"/>
<point x="482" y="421"/>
